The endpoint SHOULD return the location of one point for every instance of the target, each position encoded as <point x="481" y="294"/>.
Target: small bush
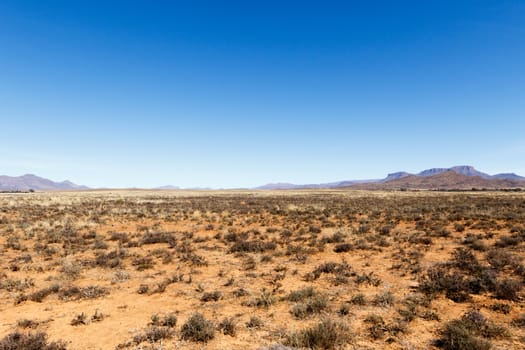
<point x="264" y="299"/>
<point x="211" y="296"/>
<point x="312" y="305"/>
<point x="519" y="321"/>
<point x="254" y="322"/>
<point x="159" y="237"/>
<point x="456" y="336"/>
<point x="80" y="319"/>
<point x="153" y="334"/>
<point x="501" y="308"/>
<point x="358" y="299"/>
<point x="169" y="320"/>
<point x="369" y="278"/>
<point x="508" y="290"/>
<point x="507" y="241"/>
<point x="198" y="329"/>
<point x="439" y="279"/>
<point x="337" y="237"/>
<point x="343" y="248"/>
<point x="342" y="270"/>
<point x="143" y="263"/>
<point x="71" y="269"/>
<point x="344" y="309"/>
<point x="89" y="292"/>
<point x="29" y="341"/>
<point x="227" y="326"/>
<point x="499" y="258"/>
<point x="111" y="259"/>
<point x="143" y="289"/>
<point x="377" y="327"/>
<point x="408" y="312"/>
<point x="240" y="292"/>
<point x="459" y="227"/>
<point x="27" y="323"/>
<point x="469" y="333"/>
<point x="430" y="315"/>
<point x="384" y="299"/>
<point x="39" y="295"/>
<point x="464" y="259"/>
<point x="97" y="316"/>
<point x="327" y="334"/>
<point x="301" y="294"/>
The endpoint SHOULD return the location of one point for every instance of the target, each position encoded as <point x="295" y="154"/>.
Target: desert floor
<point x="263" y="269"/>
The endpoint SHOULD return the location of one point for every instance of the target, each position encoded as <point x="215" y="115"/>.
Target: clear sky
<point x="241" y="93"/>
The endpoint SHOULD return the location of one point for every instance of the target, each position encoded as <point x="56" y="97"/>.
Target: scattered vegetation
<point x="289" y="268"/>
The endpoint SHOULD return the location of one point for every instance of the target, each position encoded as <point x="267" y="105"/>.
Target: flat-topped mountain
<point x="460" y="169"/>
<point x="443" y="178"/>
<point x="448" y="180"/>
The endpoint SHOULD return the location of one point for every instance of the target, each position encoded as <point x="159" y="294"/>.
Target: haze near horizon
<point x="239" y="94"/>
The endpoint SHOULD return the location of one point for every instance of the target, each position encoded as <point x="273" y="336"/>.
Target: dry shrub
<point x="328" y="334"/>
<point x="227" y="326"/>
<point x="29" y="341"/>
<point x="198" y="329"/>
<point x="470" y="332"/>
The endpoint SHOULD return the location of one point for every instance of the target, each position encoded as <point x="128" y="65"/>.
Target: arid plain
<point x="322" y="269"/>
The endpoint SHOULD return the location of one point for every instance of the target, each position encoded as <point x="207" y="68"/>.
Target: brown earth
<point x="131" y="255"/>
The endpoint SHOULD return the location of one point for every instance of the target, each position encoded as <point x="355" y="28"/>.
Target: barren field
<point x="262" y="270"/>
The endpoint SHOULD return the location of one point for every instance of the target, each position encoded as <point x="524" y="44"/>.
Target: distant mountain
<point x="32" y="182"/>
<point x="508" y="176"/>
<point x="448" y="180"/>
<point x="290" y="186"/>
<point x="468" y="178"/>
<point x="466" y="170"/>
<point x="395" y="176"/>
<point x="167" y="187"/>
<point x="277" y="186"/>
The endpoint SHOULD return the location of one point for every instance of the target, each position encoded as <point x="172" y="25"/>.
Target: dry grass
<point x="262" y="270"/>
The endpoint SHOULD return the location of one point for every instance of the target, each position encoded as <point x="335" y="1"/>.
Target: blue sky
<point x="241" y="93"/>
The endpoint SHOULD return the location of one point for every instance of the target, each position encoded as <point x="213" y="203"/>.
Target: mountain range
<point x="32" y="182"/>
<point x="446" y="180"/>
<point x="457" y="177"/>
<point x="461" y="177"/>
